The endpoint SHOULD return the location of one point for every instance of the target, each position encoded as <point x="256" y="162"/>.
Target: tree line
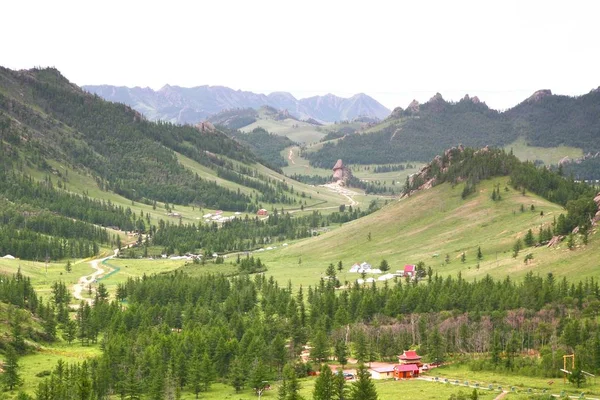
<point x="182" y="333"/>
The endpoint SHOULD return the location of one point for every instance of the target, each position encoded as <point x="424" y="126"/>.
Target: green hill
<point x="421" y="131"/>
<point x="76" y="171"/>
<point x="435" y="223"/>
<point x="483" y="199"/>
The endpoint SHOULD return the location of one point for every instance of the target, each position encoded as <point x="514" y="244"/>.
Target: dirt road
<point x="347" y="193"/>
<point x="85" y="280"/>
<point x="291" y="157"/>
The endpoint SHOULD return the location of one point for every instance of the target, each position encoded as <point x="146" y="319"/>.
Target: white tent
<point x="8" y="257"/>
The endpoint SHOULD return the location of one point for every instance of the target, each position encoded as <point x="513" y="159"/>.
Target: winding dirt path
<point x="347" y="193"/>
<point x="85" y="280"/>
<point x="291" y="157"/>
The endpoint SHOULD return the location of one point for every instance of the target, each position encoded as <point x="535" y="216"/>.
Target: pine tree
<point x="207" y="373"/>
<point x="324" y="385"/>
<point x="339" y="385"/>
<point x="384" y="266"/>
<point x="363" y="387"/>
<point x="195" y="374"/>
<point x="11" y="376"/>
<point x="341" y="352"/>
<point x="517" y="247"/>
<point x="237" y="375"/>
<point x="258" y="376"/>
<point x="479" y="253"/>
<point x="577" y="378"/>
<point x="320" y="346"/>
<point x="70" y="331"/>
<point x="330" y="272"/>
<point x="529" y="240"/>
<point x="290" y="386"/>
<point x="570" y="241"/>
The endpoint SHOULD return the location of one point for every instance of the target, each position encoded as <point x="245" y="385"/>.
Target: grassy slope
<point x="298" y="131"/>
<point x="438" y="222"/>
<point x="549" y="156"/>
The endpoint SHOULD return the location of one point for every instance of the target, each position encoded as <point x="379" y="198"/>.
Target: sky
<point x="395" y="51"/>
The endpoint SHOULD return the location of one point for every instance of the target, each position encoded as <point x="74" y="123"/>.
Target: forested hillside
<point x="49" y="127"/>
<point x="266" y="146"/>
<point x="421" y="131"/>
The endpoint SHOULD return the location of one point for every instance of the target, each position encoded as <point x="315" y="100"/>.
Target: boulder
<point x="555" y="240"/>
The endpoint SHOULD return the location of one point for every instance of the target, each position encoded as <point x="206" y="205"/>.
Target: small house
<point x="384" y="372"/>
<point x="409" y="270"/>
<point x="262" y="212"/>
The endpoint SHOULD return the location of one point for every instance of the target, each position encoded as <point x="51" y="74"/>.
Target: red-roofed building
<point x="409" y="270"/>
<point x="406" y="371"/>
<point x="409" y="365"/>
<point x="262" y="211"/>
<point x="410" y="357"/>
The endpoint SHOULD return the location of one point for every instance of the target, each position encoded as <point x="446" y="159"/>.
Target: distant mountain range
<point x="192" y="105"/>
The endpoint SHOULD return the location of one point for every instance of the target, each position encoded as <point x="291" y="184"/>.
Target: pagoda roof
<point x="409" y="355"/>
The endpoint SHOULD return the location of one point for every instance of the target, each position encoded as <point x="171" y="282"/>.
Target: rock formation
<point x="596" y="218"/>
<point x="413" y="106"/>
<point x="538" y="95"/>
<point x="341" y="173"/>
<point x="205" y="126"/>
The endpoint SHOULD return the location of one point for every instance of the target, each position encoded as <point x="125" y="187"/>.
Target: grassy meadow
<point x="297" y="131"/>
<point x="432" y="224"/>
<point x="550" y="156"/>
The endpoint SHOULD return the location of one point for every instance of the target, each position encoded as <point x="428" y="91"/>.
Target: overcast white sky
<point x="395" y="51"/>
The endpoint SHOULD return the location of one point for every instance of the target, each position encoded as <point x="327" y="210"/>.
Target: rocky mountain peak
<point x="436" y="98"/>
<point x="474" y="99"/>
<point x="413" y="106"/>
<point x="538" y="95"/>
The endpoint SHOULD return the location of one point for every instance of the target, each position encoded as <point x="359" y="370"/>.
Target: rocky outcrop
<point x="413" y="107"/>
<point x="596" y="218"/>
<point x="538" y="95"/>
<point x="555" y="240"/>
<point x="424" y="176"/>
<point x="397" y="113"/>
<point x="205" y="126"/>
<point x="341" y="173"/>
<point x="474" y="99"/>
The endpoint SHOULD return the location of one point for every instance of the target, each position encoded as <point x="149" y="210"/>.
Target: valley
<point x="177" y="261"/>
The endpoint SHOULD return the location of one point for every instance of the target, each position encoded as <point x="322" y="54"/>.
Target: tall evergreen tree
<point x="12" y="375"/>
<point x="237" y="375"/>
<point x="363" y="387"/>
<point x="324" y="385"/>
<point x="290" y="386"/>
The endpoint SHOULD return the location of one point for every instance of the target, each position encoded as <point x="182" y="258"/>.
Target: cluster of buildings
<point x="409" y="366"/>
<point x="218" y="216"/>
<point x="366" y="268"/>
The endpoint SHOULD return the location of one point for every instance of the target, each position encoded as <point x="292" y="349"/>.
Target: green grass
<point x="46" y="357"/>
<point x="433" y="223"/>
<point x="549" y="155"/>
<point x="301" y="165"/>
<point x="365" y="173"/>
<point x="522" y="383"/>
<point x="41" y="280"/>
<point x="297" y="131"/>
